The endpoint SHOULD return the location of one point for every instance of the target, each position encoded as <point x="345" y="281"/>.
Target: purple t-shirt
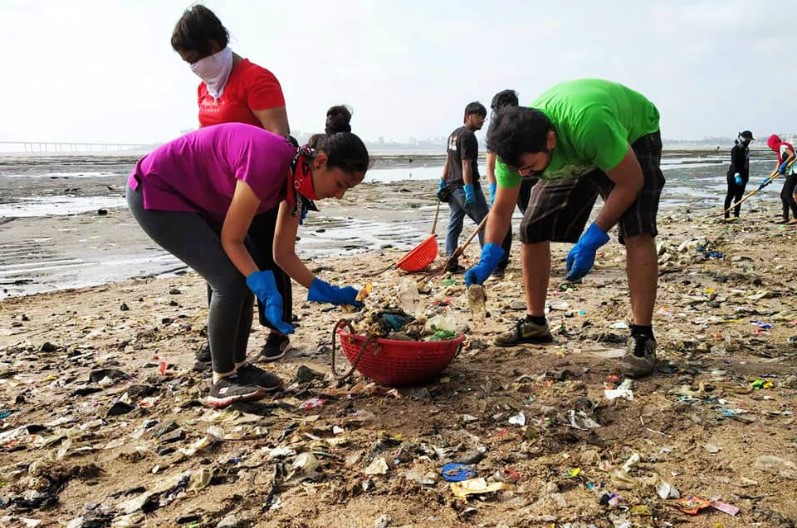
<point x="198" y="172"/>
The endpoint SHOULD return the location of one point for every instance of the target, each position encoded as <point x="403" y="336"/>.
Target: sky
<point x="104" y="70"/>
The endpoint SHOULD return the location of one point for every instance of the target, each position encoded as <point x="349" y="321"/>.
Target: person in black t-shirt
<point x="739" y="172"/>
<point x="460" y="180"/>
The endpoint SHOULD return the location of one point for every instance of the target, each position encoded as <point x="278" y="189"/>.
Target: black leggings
<point x="195" y="241"/>
<point x="734" y="194"/>
<point x="260" y="242"/>
<point x="787" y="196"/>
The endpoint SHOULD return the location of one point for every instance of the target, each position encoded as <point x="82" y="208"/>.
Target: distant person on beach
<point x="460" y="186"/>
<point x="738" y="173"/>
<point x="235" y="90"/>
<point x="785" y="167"/>
<point x="506" y="99"/>
<point x="582" y="139"/>
<point x="198" y="195"/>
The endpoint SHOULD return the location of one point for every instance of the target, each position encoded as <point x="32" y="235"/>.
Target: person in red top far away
<point x="786" y="168"/>
<point x="235" y="90"/>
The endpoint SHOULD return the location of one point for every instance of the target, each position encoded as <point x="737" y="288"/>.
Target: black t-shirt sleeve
<point x="468" y="146"/>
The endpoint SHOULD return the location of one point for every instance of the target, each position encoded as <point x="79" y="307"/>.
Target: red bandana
<point x="300" y="191"/>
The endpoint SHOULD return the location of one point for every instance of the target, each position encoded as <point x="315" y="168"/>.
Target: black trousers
<point x="734" y="194"/>
<point x="260" y="243"/>
<point x="522" y="203"/>
<point x="787" y="196"/>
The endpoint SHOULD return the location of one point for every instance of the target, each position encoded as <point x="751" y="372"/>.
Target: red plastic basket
<point x="420" y="257"/>
<point x="392" y="362"/>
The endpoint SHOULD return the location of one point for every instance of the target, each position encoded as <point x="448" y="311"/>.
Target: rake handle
<point x="436" y="214"/>
<point x="751" y="193"/>
<point x="461" y="249"/>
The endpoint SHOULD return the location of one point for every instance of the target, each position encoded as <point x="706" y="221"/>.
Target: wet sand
<point x="54" y="237"/>
<point x="699" y="423"/>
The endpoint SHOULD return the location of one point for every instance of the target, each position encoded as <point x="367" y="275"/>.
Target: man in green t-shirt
<point x="581" y="138"/>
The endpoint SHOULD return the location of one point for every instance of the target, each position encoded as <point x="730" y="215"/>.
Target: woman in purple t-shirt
<point x="196" y="197"/>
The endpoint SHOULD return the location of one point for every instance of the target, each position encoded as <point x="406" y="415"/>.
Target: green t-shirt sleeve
<point x="601" y="139"/>
<point x="504" y="176"/>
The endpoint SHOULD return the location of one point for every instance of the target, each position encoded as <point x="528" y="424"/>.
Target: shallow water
<point x="52" y="237"/>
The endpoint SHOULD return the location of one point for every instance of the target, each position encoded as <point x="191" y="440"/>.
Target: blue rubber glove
<point x="469" y="197"/>
<point x="582" y="255"/>
<point x="782" y="168"/>
<point x="492" y="193"/>
<point x="442" y="185"/>
<point x="491" y="256"/>
<point x="738" y="178"/>
<point x="264" y="286"/>
<point x="321" y="291"/>
<point x="764" y="184"/>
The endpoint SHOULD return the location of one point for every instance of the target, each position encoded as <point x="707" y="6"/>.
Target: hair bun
<point x="338" y="119"/>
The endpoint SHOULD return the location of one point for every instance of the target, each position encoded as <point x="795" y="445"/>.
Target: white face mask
<point x="214" y="70"/>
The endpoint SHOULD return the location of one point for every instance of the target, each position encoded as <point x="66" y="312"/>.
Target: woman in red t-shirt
<point x="233" y="89"/>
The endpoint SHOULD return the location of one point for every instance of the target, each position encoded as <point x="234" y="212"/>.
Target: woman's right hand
<point x="264" y="286"/>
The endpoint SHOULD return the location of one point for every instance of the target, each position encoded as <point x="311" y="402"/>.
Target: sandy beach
<point x="103" y="423"/>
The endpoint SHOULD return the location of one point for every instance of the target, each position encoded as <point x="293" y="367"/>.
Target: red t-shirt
<point x="249" y="88"/>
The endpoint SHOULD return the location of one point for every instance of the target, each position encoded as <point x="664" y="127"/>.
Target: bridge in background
<point x="51" y="146"/>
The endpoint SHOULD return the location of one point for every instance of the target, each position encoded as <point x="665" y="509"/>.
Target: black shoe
<point x="499" y="273"/>
<point x="203" y="354"/>
<point x="455" y="268"/>
<point x="256" y="376"/>
<point x="231" y="389"/>
<point x="277" y="345"/>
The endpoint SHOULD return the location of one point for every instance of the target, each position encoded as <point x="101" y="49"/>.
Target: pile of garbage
<point x="399" y="312"/>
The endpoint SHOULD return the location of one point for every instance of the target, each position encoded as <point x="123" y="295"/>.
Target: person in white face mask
<point x="235" y="90"/>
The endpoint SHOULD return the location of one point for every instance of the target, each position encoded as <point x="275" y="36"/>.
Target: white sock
<point x="219" y="375"/>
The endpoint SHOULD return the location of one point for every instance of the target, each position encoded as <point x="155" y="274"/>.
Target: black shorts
<point x="559" y="209"/>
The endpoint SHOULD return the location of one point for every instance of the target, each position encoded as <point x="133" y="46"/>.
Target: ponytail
<point x="344" y="149"/>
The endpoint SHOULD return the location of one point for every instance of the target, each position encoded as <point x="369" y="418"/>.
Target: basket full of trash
<point x="395" y="362"/>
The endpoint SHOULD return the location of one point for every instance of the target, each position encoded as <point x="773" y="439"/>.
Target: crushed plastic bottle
<point x="477" y="298"/>
<point x="409" y="297"/>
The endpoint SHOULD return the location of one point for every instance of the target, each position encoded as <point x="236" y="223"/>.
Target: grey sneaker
<point x="639" y="359"/>
<point x="257" y="376"/>
<point x="525" y="331"/>
<point x="233" y="389"/>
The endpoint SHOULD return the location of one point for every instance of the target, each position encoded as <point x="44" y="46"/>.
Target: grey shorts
<point x="558" y="210"/>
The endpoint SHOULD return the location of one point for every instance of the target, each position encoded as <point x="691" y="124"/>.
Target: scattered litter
<point x="477" y="486"/>
<point x="622" y="391"/>
<point x="518" y="419"/>
<point x="454" y="472"/>
<point x="377" y="467"/>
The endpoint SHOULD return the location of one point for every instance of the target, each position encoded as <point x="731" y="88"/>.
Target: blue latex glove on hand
<point x="264" y="286"/>
<point x="738" y="178"/>
<point x="321" y="291"/>
<point x="782" y="168"/>
<point x="469" y="197"/>
<point x="492" y="193"/>
<point x="582" y="255"/>
<point x="442" y="185"/>
<point x="491" y="256"/>
<point x="764" y="184"/>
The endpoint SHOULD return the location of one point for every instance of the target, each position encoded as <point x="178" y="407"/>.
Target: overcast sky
<point x="85" y="70"/>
